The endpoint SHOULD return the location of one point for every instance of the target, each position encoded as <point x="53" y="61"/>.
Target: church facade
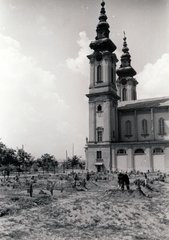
<point x="124" y="133"/>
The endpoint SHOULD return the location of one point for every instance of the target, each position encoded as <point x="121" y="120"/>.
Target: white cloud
<point x="80" y="63"/>
<point x="30" y="105"/>
<point x="154" y="79"/>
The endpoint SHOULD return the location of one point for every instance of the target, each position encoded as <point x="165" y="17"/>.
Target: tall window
<point x="99" y="154"/>
<point x="161" y="126"/>
<point x="128" y="128"/>
<point x="99" y="74"/>
<point x="99" y="132"/>
<point x="144" y="127"/>
<point x="99" y="135"/>
<point x="124" y="94"/>
<point x="112" y="75"/>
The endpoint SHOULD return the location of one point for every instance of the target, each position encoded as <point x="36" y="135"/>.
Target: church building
<point x="124" y="133"/>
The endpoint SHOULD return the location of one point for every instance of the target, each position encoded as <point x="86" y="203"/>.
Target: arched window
<point x="112" y="75"/>
<point x="121" y="151"/>
<point x="128" y="128"/>
<point x="139" y="151"/>
<point x="161" y="126"/>
<point x="158" y="150"/>
<point x="124" y="95"/>
<point x="134" y="94"/>
<point x="99" y="74"/>
<point x="144" y="127"/>
<point x="99" y="108"/>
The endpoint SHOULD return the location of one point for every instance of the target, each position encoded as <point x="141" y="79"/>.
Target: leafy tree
<point x="47" y="161"/>
<point x="74" y="161"/>
<point x="54" y="164"/>
<point x="9" y="156"/>
<point x="24" y="159"/>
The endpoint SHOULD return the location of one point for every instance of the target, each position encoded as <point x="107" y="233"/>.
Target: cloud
<point x="30" y="103"/>
<point x="154" y="79"/>
<point x="80" y="64"/>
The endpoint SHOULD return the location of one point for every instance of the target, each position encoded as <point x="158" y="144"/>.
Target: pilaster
<point x="130" y="160"/>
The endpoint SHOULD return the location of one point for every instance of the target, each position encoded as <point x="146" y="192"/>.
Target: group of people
<point x="6" y="173"/>
<point x="123" y="180"/>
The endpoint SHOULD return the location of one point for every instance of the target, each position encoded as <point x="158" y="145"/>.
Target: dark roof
<point x="144" y="103"/>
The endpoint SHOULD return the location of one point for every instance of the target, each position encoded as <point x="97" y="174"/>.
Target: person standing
<point x="87" y="176"/>
<point x="75" y="178"/>
<point x="120" y="180"/>
<point x="126" y="181"/>
<point x="145" y="179"/>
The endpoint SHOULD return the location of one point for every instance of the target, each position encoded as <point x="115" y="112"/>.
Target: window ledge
<point x="139" y="153"/>
<point x="158" y="153"/>
<point x="162" y="134"/>
<point x="99" y="82"/>
<point x="121" y="154"/>
<point x="99" y="160"/>
<point x="145" y="135"/>
<point x="128" y="136"/>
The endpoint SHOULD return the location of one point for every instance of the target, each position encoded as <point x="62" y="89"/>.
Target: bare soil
<point x="102" y="211"/>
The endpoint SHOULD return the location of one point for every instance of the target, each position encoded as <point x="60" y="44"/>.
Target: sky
<point x="44" y="72"/>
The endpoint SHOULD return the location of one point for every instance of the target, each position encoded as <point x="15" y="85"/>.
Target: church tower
<point x="103" y="98"/>
<point x="126" y="84"/>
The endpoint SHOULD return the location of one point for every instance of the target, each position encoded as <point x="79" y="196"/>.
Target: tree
<point x="47" y="161"/>
<point x="54" y="164"/>
<point x="24" y="159"/>
<point x="74" y="161"/>
<point x="7" y="155"/>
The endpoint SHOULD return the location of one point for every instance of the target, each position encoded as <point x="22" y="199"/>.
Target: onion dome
<point x="125" y="67"/>
<point x="102" y="41"/>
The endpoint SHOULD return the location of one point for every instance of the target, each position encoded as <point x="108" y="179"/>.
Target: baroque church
<point x="125" y="134"/>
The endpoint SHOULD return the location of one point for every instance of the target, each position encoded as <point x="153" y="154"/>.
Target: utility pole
<point x="72" y="149"/>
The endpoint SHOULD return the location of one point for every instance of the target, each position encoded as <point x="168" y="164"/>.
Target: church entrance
<point x="99" y="167"/>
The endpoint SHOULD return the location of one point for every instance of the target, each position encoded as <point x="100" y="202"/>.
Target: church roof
<point x="144" y="103"/>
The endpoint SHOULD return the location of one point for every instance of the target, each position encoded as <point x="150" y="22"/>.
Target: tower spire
<point x="102" y="41"/>
<point x="125" y="67"/>
<point x="102" y="28"/>
<point x="126" y="84"/>
<point x="103" y="16"/>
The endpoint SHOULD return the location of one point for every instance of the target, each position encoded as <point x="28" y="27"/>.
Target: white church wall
<point x="140" y="117"/>
<point x="166" y="159"/>
<point x="158" y="162"/>
<point x="122" y="163"/>
<point x="124" y="119"/>
<point x="139" y="163"/>
<point x="92" y="113"/>
<point x="161" y="113"/>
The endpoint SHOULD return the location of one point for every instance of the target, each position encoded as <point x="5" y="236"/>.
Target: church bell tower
<point x="102" y="97"/>
<point x="126" y="83"/>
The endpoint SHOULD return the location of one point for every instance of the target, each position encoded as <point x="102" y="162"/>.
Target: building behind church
<point x="124" y="133"/>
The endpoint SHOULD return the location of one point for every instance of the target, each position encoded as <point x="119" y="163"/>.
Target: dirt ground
<point x="102" y="211"/>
